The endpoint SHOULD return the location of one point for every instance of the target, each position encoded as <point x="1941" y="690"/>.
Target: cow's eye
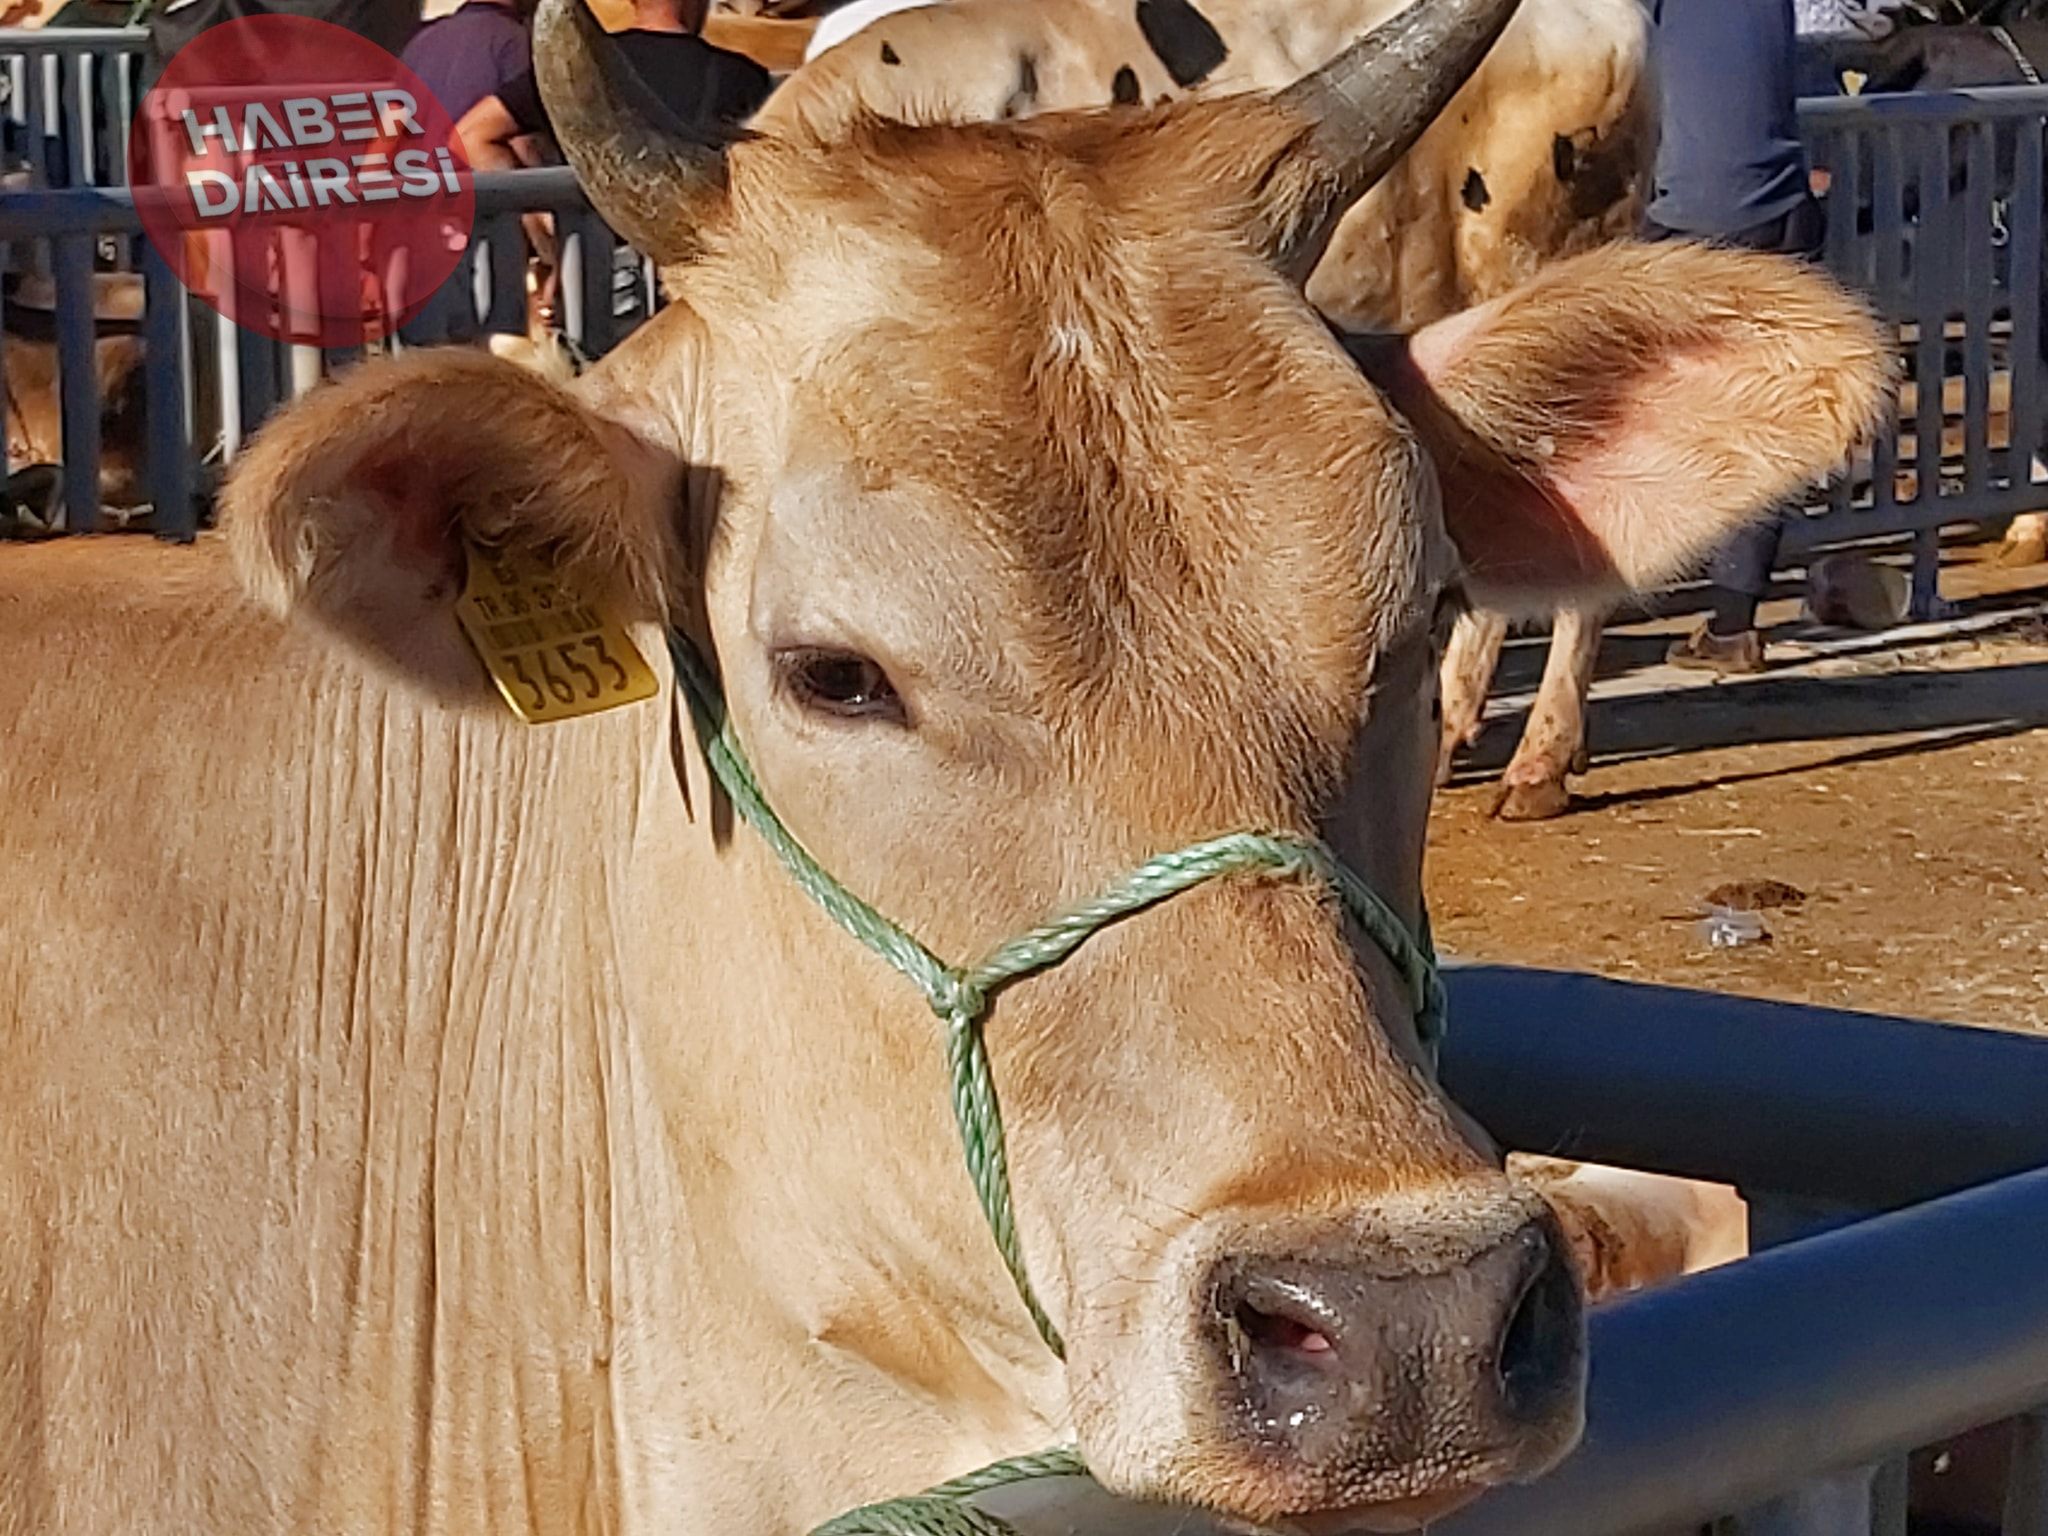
<point x="840" y="683"/>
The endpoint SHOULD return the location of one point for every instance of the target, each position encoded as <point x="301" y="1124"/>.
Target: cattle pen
<point x="1965" y="164"/>
<point x="1897" y="1171"/>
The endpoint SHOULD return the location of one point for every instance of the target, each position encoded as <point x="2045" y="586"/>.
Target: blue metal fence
<point x="208" y="385"/>
<point x="1934" y="208"/>
<point x="66" y="99"/>
<point x="1934" y="205"/>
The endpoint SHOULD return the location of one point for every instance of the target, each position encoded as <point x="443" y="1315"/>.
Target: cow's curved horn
<point x="1368" y="106"/>
<point x="647" y="177"/>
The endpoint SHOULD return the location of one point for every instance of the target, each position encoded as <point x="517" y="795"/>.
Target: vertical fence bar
<point x="78" y="382"/>
<point x="127" y="74"/>
<point x="1843" y="1503"/>
<point x="1889" y="1499"/>
<point x="2024" y="408"/>
<point x="1932" y="235"/>
<point x="1979" y="284"/>
<point x="1936" y="247"/>
<point x="35" y="118"/>
<point x="16" y="67"/>
<point x="2026" y="1484"/>
<point x="76" y="100"/>
<point x="167" y="442"/>
<point x="572" y="292"/>
<point x="505" y="313"/>
<point x="1847" y="255"/>
<point x="1887" y="233"/>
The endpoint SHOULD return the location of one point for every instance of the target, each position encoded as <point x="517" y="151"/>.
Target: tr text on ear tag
<point x="554" y="654"/>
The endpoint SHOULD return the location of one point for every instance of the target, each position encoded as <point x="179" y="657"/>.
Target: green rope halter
<point x="961" y="996"/>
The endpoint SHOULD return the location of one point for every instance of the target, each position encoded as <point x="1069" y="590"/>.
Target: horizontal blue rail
<point x="1850" y="1109"/>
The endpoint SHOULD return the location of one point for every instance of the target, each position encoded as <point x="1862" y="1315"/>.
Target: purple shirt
<point x="469" y="54"/>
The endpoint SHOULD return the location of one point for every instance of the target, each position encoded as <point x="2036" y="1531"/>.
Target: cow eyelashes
<point x="843" y="684"/>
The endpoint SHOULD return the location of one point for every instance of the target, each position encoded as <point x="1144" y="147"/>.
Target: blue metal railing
<point x="1934" y="205"/>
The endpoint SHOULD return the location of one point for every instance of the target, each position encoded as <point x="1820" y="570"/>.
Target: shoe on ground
<point x="1728" y="655"/>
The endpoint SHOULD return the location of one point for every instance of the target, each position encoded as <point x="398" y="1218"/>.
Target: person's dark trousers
<point x="1740" y="573"/>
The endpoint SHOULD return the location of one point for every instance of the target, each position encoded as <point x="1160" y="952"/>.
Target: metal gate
<point x="1934" y="206"/>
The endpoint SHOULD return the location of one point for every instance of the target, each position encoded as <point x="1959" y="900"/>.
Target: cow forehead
<point x="1193" y="497"/>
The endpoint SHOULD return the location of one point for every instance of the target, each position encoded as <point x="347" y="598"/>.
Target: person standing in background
<point x="698" y="86"/>
<point x="1731" y="171"/>
<point x="474" y="51"/>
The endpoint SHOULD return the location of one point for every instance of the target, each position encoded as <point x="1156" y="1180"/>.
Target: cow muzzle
<point x="1391" y="1372"/>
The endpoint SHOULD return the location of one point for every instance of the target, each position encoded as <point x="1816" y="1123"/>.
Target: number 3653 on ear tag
<point x="554" y="653"/>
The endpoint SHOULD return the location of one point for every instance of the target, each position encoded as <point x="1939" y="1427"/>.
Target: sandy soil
<point x="1896" y="780"/>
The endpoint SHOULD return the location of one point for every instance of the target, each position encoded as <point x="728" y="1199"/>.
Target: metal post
<point x="1888" y="1498"/>
<point x="168" y="465"/>
<point x="1842" y="1504"/>
<point x="78" y="380"/>
<point x="2026" y="1484"/>
<point x="1926" y="601"/>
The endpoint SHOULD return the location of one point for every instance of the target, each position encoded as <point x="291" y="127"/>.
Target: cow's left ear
<point x="353" y="506"/>
<point x="1603" y="427"/>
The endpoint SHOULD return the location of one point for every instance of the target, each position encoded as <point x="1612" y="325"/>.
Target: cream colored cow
<point x="421" y="1120"/>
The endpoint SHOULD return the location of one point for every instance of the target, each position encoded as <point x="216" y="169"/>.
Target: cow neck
<point x="961" y="996"/>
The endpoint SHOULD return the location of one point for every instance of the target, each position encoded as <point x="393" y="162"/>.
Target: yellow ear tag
<point x="553" y="654"/>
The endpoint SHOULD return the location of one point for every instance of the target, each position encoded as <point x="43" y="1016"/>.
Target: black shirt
<point x="698" y="85"/>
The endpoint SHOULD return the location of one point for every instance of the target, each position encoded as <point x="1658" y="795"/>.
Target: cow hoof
<point x="1582" y="761"/>
<point x="1449" y="745"/>
<point x="1532" y="802"/>
<point x="2023" y="552"/>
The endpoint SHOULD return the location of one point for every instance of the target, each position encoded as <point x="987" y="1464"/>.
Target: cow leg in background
<point x="2026" y="541"/>
<point x="1553" y="743"/>
<point x="1469" y="662"/>
<point x="1629" y="1229"/>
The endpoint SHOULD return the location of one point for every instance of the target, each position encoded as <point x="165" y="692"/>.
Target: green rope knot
<point x="958" y="998"/>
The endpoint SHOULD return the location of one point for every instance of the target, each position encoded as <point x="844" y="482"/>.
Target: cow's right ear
<point x="352" y="508"/>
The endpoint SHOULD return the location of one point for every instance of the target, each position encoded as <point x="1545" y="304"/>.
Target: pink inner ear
<point x="1513" y="530"/>
<point x="416" y="505"/>
<point x="1522" y="532"/>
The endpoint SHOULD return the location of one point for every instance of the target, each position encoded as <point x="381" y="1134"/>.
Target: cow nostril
<point x="1537" y="1346"/>
<point x="1277" y="1333"/>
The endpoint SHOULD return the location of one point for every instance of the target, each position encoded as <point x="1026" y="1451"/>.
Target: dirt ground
<point x="1897" y="780"/>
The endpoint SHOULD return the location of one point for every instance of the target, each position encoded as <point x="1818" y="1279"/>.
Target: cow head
<point x="1035" y="526"/>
